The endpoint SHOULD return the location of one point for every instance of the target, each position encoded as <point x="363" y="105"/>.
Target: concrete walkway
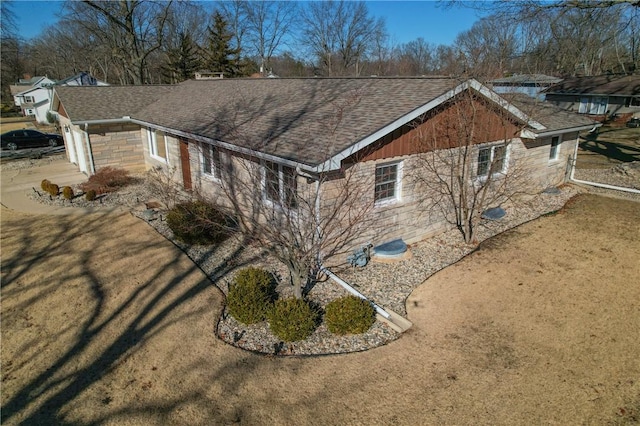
<point x="16" y="184"/>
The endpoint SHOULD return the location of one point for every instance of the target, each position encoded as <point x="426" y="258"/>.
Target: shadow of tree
<point x="116" y="288"/>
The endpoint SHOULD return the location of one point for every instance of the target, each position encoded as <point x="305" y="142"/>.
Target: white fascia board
<point x="528" y="134"/>
<point x="334" y="162"/>
<point x="506" y="105"/>
<point x="226" y="145"/>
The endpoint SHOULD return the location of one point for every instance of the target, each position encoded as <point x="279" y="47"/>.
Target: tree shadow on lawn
<point x="114" y="313"/>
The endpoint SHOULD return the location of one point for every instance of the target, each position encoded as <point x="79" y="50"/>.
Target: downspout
<point x="574" y="160"/>
<point x="330" y="274"/>
<point x="86" y="141"/>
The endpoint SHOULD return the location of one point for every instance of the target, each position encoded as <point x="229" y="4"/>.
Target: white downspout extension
<point x="330" y="274"/>
<point x="353" y="291"/>
<point x="597" y="184"/>
<point x="89" y="153"/>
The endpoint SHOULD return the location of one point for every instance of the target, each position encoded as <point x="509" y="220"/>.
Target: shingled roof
<point x="553" y="118"/>
<point x="607" y="85"/>
<point x="305" y="120"/>
<point x="96" y="103"/>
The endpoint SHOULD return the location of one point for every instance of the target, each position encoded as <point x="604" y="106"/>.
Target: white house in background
<point x="26" y="84"/>
<point x="36" y="100"/>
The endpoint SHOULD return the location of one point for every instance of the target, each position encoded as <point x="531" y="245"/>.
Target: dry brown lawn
<point x="105" y="322"/>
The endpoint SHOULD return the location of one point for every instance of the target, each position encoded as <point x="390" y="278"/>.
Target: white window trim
<point x="398" y="189"/>
<point x="210" y="176"/>
<point x="280" y="204"/>
<point x="556" y="157"/>
<point x="153" y="147"/>
<point x="505" y="164"/>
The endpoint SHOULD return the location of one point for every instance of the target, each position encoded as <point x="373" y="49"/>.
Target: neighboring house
<point x="529" y="84"/>
<point x="36" y="100"/>
<point x="25" y="85"/>
<point x="601" y="97"/>
<point x="295" y="130"/>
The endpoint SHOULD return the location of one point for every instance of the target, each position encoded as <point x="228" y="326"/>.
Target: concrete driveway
<point x="16" y="184"/>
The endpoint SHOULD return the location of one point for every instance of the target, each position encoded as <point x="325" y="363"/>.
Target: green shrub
<point x="251" y="295"/>
<point x="90" y="195"/>
<point x="292" y="319"/>
<point x="349" y="315"/>
<point x="45" y="185"/>
<point x="67" y="192"/>
<point x="197" y="222"/>
<point x="53" y="189"/>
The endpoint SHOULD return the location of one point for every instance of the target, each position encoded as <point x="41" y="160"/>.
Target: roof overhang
<point x="530" y="134"/>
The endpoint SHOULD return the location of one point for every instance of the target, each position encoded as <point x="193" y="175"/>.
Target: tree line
<point x="151" y="42"/>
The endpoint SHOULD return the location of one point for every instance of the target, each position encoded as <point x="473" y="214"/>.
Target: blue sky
<point x="406" y="20"/>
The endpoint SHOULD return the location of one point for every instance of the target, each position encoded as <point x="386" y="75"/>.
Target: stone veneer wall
<point x="117" y="146"/>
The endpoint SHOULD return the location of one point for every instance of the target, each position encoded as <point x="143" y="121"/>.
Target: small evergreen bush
<point x="53" y="189"/>
<point x="349" y="315"/>
<point x="90" y="195"/>
<point x="198" y="222"/>
<point x="67" y="192"/>
<point x="293" y="319"/>
<point x="251" y="295"/>
<point x="45" y="185"/>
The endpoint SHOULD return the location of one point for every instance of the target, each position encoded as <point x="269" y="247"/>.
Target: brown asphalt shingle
<point x="547" y="114"/>
<point x="84" y="103"/>
<point x="611" y="85"/>
<point x="306" y="120"/>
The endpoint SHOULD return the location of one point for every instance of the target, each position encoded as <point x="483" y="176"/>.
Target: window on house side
<point x="211" y="161"/>
<point x="386" y="182"/>
<point x="280" y="185"/>
<point x="157" y="144"/>
<point x="555" y="148"/>
<point x="491" y="159"/>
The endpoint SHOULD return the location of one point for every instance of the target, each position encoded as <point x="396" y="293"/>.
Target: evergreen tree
<point x="184" y="60"/>
<point x="219" y="55"/>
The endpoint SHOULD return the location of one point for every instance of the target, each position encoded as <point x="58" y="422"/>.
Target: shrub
<point x="90" y="195"/>
<point x="198" y="222"/>
<point x="107" y="179"/>
<point x="53" y="189"/>
<point x="45" y="185"/>
<point x="251" y="295"/>
<point x="349" y="315"/>
<point x="292" y="319"/>
<point x="67" y="192"/>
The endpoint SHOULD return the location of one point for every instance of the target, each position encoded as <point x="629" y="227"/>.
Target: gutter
<point x="574" y="160"/>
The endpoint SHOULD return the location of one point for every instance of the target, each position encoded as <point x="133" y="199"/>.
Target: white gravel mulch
<point x="387" y="284"/>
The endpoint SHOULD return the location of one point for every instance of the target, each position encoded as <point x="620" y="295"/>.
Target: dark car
<point x="634" y="122"/>
<point x="28" y="138"/>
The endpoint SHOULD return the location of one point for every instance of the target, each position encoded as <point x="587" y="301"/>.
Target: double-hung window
<point x="491" y="160"/>
<point x="211" y="163"/>
<point x="555" y="148"/>
<point x="157" y="145"/>
<point x="280" y="185"/>
<point x="387" y="183"/>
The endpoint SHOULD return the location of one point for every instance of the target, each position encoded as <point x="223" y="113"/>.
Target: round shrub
<point x="90" y="195"/>
<point x="292" y="319"/>
<point x="251" y="295"/>
<point x="53" y="189"/>
<point x="45" y="185"/>
<point x="198" y="222"/>
<point x="67" y="192"/>
<point x="349" y="315"/>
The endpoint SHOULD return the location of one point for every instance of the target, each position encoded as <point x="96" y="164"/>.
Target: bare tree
<point x="338" y="34"/>
<point x="132" y="29"/>
<point x="459" y="175"/>
<point x="303" y="219"/>
<point x="267" y="24"/>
